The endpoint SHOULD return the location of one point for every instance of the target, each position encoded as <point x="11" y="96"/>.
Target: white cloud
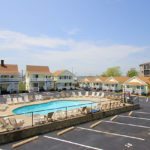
<point x="84" y="56"/>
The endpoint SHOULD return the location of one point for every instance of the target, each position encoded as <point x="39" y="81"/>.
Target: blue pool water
<point x="52" y="106"/>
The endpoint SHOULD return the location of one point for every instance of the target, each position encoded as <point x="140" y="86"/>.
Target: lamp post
<point x="124" y="94"/>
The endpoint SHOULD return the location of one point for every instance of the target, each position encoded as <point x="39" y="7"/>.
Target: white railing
<point x="33" y="89"/>
<point x="129" y="90"/>
<point x="40" y="79"/>
<point x="10" y="79"/>
<point x="138" y="91"/>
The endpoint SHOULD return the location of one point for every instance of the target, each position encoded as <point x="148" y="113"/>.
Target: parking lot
<point x="124" y="132"/>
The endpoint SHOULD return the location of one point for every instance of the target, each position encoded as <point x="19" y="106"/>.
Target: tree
<point x="132" y="72"/>
<point x="22" y="87"/>
<point x="113" y="71"/>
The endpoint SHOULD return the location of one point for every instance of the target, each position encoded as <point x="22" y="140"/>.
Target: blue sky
<point x="86" y="35"/>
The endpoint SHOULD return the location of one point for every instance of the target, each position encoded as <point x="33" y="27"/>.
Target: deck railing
<point x="42" y="116"/>
<point x="40" y="79"/>
<point x="10" y="79"/>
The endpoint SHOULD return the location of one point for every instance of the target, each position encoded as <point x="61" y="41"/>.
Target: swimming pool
<point x="52" y="106"/>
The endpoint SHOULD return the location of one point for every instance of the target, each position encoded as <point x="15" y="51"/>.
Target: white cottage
<point x="86" y="83"/>
<point x="138" y="85"/>
<point x="114" y="83"/>
<point x="98" y="82"/>
<point x="64" y="80"/>
<point x="92" y="82"/>
<point x="38" y="78"/>
<point x="9" y="78"/>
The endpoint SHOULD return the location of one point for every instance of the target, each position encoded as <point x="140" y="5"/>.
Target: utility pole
<point x="22" y="75"/>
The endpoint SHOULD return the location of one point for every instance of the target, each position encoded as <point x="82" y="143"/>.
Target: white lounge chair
<point x="74" y="94"/>
<point x="84" y="110"/>
<point x="70" y="113"/>
<point x="40" y="97"/>
<point x="39" y="119"/>
<point x="3" y="107"/>
<point x="97" y="94"/>
<point x="6" y="125"/>
<point x="86" y="94"/>
<point x="93" y="94"/>
<point x="20" y="100"/>
<point x="36" y="97"/>
<point x="76" y="112"/>
<point x="9" y="101"/>
<point x="79" y="94"/>
<point x="26" y="99"/>
<point x="15" y="101"/>
<point x="61" y="114"/>
<point x="55" y="116"/>
<point x="16" y="123"/>
<point x="102" y="95"/>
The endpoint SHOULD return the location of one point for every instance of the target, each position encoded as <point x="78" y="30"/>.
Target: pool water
<point x="52" y="106"/>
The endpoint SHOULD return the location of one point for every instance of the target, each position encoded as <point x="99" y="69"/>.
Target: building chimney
<point x="2" y="63"/>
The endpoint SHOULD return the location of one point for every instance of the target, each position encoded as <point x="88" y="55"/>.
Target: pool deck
<point x="14" y="106"/>
<point x="28" y="119"/>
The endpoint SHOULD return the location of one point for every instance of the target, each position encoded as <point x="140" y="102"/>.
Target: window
<point x="138" y="87"/>
<point x="35" y="84"/>
<point x="36" y="76"/>
<point x="142" y="87"/>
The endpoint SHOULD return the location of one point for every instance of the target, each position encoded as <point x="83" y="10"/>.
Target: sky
<point x="84" y="36"/>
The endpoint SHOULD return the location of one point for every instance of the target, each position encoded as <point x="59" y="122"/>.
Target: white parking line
<point x="133" y="125"/>
<point x="134" y="117"/>
<point x="110" y="133"/>
<point x="73" y="143"/>
<point x="141" y="112"/>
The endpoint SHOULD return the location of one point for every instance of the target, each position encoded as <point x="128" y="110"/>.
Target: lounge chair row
<point x="94" y="94"/>
<point x="111" y="105"/>
<point x="61" y="114"/>
<point x="25" y="99"/>
<point x="11" y="123"/>
<point x="114" y="97"/>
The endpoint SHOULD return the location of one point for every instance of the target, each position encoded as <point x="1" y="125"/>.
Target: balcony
<point x="40" y="79"/>
<point x="10" y="79"/>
